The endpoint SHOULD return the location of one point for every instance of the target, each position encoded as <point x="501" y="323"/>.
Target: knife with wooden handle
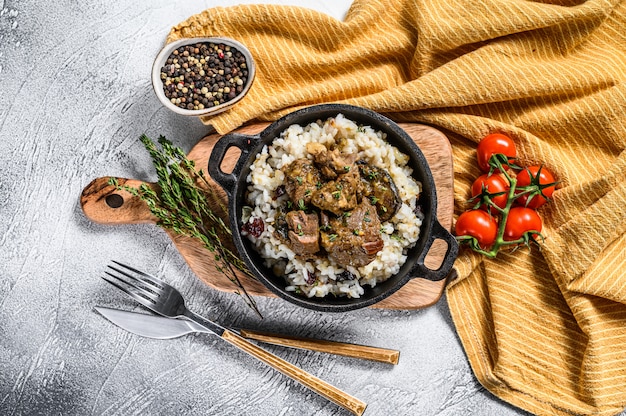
<point x="159" y="327"/>
<point x="144" y="325"/>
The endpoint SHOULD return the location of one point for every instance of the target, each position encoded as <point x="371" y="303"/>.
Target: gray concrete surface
<point x="75" y="97"/>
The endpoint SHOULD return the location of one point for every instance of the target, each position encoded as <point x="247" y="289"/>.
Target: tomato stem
<point x="499" y="241"/>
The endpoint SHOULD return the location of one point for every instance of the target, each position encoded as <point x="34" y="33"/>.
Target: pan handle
<point x="420" y="269"/>
<point x="245" y="143"/>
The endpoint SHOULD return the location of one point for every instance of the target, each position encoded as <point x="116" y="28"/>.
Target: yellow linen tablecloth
<point x="544" y="330"/>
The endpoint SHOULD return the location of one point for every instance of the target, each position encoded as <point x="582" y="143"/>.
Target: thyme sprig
<point x="186" y="203"/>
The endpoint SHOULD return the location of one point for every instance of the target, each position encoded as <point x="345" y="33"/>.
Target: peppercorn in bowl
<point x="202" y="76"/>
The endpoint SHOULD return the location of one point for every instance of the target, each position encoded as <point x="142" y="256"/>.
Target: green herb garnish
<point x="183" y="201"/>
<point x="397" y="237"/>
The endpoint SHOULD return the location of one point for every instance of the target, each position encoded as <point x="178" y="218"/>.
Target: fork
<point x="165" y="300"/>
<point x="366" y="352"/>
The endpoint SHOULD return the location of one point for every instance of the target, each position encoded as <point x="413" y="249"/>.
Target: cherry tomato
<point x="538" y="177"/>
<point x="519" y="221"/>
<point x="492" y="144"/>
<point x="492" y="184"/>
<point x="478" y="224"/>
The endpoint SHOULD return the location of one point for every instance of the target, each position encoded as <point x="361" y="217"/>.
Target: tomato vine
<point x="509" y="195"/>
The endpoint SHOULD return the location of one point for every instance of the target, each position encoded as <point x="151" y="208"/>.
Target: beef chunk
<point x="342" y="162"/>
<point x="331" y="163"/>
<point x="353" y="238"/>
<point x="321" y="156"/>
<point x="303" y="232"/>
<point x="339" y="195"/>
<point x="301" y="179"/>
<point x="378" y="186"/>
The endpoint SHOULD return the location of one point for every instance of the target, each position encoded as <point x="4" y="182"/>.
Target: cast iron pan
<point x="234" y="185"/>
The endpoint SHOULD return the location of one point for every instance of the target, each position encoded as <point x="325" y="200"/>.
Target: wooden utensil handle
<point x="105" y="204"/>
<point x="321" y="387"/>
<point x="382" y="355"/>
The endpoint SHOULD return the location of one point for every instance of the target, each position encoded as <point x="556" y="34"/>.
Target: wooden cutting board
<point x="102" y="203"/>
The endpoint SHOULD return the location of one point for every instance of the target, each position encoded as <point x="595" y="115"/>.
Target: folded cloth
<point x="543" y="329"/>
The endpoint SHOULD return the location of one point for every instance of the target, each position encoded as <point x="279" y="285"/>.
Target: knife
<point x="159" y="327"/>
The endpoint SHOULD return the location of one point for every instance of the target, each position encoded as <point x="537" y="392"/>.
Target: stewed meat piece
<point x="321" y="156"/>
<point x="339" y="195"/>
<point x="379" y="187"/>
<point x="303" y="232"/>
<point x="331" y="163"/>
<point x="301" y="179"/>
<point x="353" y="238"/>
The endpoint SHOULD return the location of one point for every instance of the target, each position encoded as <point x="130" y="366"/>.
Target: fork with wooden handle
<point x="165" y="300"/>
<point x="345" y="349"/>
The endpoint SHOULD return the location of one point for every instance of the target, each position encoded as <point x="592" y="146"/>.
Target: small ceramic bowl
<point x="165" y="53"/>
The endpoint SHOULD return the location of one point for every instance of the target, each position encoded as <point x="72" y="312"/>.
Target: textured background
<point x="76" y="95"/>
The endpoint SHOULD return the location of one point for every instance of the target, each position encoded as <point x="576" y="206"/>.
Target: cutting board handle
<point x="105" y="204"/>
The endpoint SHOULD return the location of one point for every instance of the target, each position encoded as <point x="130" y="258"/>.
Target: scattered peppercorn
<point x="204" y="75"/>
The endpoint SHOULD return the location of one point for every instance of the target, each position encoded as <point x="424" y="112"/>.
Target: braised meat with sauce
<point x="301" y="179"/>
<point x="339" y="195"/>
<point x="303" y="232"/>
<point x="379" y="187"/>
<point x="330" y="162"/>
<point x="353" y="238"/>
<point x="335" y="206"/>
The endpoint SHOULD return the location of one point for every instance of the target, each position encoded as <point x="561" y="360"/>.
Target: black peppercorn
<point x="204" y="75"/>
